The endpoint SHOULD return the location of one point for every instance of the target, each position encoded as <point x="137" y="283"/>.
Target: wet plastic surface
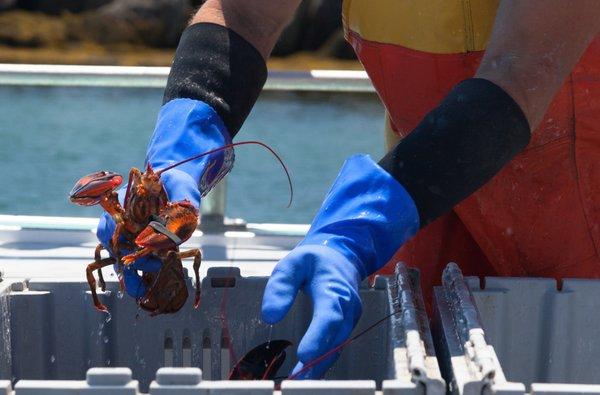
<point x="52" y="335"/>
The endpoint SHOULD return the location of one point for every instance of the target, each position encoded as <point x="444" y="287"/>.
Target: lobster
<point x="148" y="224"/>
<point x="262" y="362"/>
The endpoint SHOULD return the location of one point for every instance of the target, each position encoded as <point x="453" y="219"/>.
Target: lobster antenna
<point x="329" y="353"/>
<point x="235" y="145"/>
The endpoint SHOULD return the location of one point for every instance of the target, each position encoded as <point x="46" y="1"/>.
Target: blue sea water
<point x="50" y="137"/>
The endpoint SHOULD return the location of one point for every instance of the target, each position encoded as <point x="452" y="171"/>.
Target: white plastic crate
<point x="518" y="335"/>
<point x="188" y="381"/>
<point x="53" y="335"/>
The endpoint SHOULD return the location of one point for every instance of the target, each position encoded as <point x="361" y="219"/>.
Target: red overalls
<point x="540" y="215"/>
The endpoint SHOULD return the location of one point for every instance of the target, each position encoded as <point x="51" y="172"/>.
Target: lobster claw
<point x="90" y="189"/>
<point x="175" y="224"/>
<point x="157" y="236"/>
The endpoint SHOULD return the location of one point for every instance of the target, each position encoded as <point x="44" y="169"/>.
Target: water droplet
<point x="120" y="294"/>
<point x="52" y="358"/>
<point x="108" y="362"/>
<point x="270" y="335"/>
<point x="105" y="339"/>
<point x="108" y="318"/>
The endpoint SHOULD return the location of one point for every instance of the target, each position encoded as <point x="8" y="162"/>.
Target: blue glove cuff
<point x="185" y="128"/>
<point x="366" y="216"/>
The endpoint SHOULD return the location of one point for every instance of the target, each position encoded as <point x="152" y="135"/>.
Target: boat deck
<point x="50" y="247"/>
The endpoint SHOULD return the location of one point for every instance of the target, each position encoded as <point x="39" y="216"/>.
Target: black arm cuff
<point x="215" y="65"/>
<point x="458" y="147"/>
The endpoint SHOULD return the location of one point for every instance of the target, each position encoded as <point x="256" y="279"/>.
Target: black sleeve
<point x="215" y="65"/>
<point x="459" y="146"/>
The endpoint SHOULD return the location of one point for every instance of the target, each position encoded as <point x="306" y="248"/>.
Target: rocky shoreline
<point x="89" y="54"/>
<point x="145" y="32"/>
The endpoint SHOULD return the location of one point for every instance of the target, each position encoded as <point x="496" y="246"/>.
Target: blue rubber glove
<point x="367" y="215"/>
<point x="184" y="128"/>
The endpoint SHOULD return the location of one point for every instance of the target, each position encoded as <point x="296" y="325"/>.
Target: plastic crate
<point x="517" y="335"/>
<point x="52" y="333"/>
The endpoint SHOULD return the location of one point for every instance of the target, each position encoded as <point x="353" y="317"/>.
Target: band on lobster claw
<point x="161" y="228"/>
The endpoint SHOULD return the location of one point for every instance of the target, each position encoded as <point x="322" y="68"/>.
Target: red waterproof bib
<point x="540" y="215"/>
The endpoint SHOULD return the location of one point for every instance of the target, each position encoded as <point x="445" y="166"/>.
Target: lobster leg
<point x="115" y="240"/>
<point x="129" y="259"/>
<point x="89" y="271"/>
<point x="121" y="245"/>
<point x="98" y="258"/>
<point x="197" y="261"/>
<point x="117" y="249"/>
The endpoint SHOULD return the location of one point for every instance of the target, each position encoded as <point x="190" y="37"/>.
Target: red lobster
<point x="149" y="225"/>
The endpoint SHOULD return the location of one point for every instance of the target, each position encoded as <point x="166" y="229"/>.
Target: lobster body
<point x="148" y="224"/>
<point x="146" y="198"/>
<point x="167" y="290"/>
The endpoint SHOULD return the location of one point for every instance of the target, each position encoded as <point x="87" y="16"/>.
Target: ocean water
<point x="50" y="137"/>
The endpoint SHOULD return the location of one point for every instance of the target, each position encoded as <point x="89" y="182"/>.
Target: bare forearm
<point x="260" y="22"/>
<point x="534" y="46"/>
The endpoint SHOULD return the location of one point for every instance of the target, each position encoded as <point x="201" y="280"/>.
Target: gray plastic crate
<point x="517" y="335"/>
<point x="50" y="331"/>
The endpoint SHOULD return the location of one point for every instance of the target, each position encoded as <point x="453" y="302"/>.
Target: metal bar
<point x="470" y="363"/>
<point x="214" y="203"/>
<point x="414" y="356"/>
<point x="408" y="318"/>
<point x="459" y="295"/>
<point x="468" y="324"/>
<point x="213" y="206"/>
<point x="156" y="77"/>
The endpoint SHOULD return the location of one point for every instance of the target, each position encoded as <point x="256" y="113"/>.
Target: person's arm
<point x="485" y="121"/>
<point x="534" y="46"/>
<point x="221" y="56"/>
<point x="260" y="22"/>
<point x="217" y="74"/>
<point x="371" y="209"/>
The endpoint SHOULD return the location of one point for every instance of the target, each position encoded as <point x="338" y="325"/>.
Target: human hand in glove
<point x="367" y="215"/>
<point x="184" y="128"/>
